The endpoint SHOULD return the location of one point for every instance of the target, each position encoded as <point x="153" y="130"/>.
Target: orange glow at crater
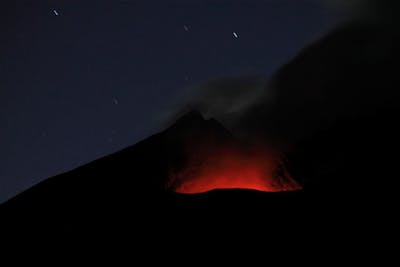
<point x="231" y="168"/>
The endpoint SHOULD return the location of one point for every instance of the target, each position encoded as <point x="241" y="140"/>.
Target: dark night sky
<point x="82" y="79"/>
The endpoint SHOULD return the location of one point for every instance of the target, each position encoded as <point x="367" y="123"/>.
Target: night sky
<point x="82" y="79"/>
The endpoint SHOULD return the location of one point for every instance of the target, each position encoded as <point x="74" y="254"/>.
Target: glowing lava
<point x="230" y="168"/>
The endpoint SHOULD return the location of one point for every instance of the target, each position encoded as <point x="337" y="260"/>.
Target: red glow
<point x="232" y="168"/>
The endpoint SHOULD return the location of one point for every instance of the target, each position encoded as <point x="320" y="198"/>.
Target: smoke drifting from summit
<point x="322" y="113"/>
<point x="344" y="75"/>
<point x="224" y="99"/>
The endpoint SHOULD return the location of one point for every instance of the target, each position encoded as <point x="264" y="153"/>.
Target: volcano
<point x="195" y="183"/>
<point x="194" y="155"/>
<point x="193" y="171"/>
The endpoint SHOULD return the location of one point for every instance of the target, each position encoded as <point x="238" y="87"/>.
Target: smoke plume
<point x="345" y="75"/>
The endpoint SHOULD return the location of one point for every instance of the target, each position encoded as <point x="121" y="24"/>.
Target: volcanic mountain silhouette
<point x="145" y="170"/>
<point x="130" y="191"/>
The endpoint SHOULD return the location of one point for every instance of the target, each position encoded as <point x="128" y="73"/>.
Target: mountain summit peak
<point x="191" y="116"/>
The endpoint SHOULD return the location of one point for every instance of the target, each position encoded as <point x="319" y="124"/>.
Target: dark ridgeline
<point x="336" y="108"/>
<point x="122" y="198"/>
<point x="340" y="97"/>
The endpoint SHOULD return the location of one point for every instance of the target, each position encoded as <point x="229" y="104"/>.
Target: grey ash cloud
<point x="345" y="74"/>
